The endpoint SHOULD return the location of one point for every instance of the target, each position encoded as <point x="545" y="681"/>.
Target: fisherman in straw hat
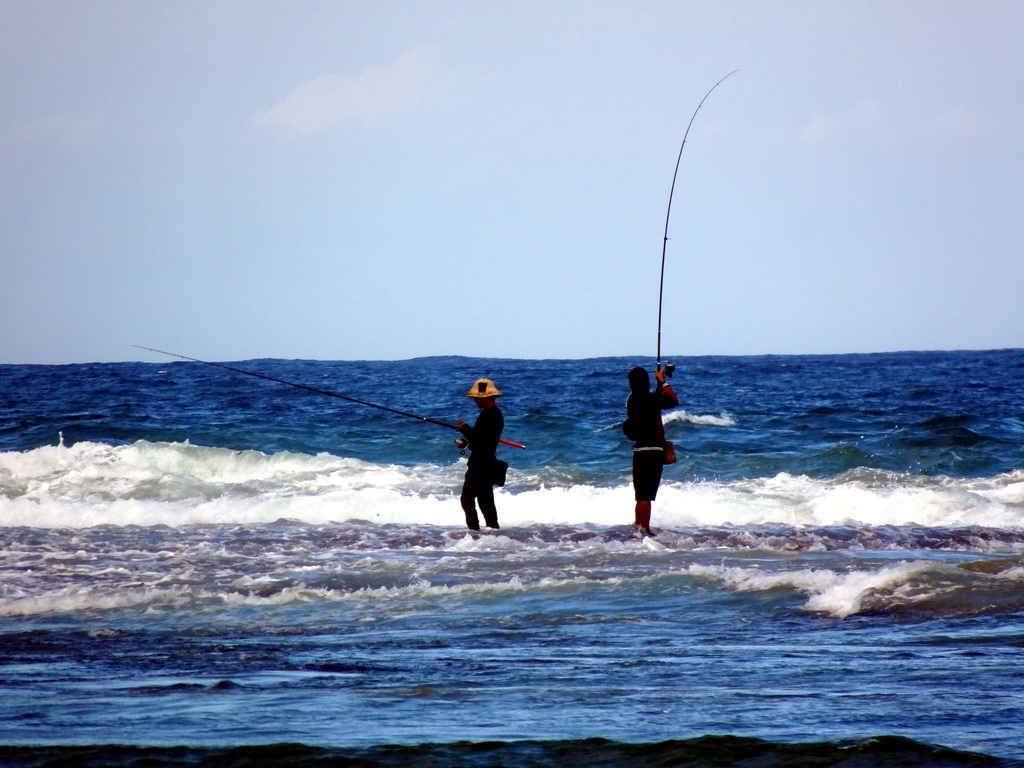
<point x="483" y="468"/>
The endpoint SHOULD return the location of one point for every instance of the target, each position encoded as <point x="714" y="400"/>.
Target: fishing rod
<point x="669" y="367"/>
<point x="318" y="391"/>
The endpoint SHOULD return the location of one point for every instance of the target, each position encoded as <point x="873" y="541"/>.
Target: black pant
<point x="477" y="487"/>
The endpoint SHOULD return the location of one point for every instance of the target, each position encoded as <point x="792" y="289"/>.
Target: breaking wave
<point x="146" y="483"/>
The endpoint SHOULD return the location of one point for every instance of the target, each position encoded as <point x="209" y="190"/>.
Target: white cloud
<point x="864" y="119"/>
<point x="330" y="100"/>
<point x="966" y="123"/>
<point x="867" y="121"/>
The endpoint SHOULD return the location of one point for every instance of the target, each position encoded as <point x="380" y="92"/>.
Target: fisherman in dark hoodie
<point x="643" y="426"/>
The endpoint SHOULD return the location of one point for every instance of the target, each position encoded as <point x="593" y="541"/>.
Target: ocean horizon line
<point x="505" y="358"/>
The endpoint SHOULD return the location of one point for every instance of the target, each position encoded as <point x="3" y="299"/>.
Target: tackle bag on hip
<point x="668" y="453"/>
<point x="498" y="471"/>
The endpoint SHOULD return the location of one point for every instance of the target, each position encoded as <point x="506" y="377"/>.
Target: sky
<point x="380" y="179"/>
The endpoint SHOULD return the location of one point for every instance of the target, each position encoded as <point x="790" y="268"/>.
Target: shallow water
<point x="193" y="557"/>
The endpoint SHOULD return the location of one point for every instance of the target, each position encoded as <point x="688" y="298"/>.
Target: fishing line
<point x="668" y="214"/>
<point x="318" y="391"/>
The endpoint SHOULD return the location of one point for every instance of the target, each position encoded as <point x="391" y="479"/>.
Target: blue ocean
<point x="204" y="567"/>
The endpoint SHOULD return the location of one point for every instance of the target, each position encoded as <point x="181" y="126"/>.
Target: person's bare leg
<point x="642" y="515"/>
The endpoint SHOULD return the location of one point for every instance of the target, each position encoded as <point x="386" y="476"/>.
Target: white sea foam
<point x="724" y="419"/>
<point x="846" y="595"/>
<point x="838" y="594"/>
<point x="71" y="599"/>
<point x="144" y="483"/>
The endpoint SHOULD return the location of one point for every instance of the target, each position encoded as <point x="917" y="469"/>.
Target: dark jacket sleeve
<point x="644" y="414"/>
<point x="484" y="435"/>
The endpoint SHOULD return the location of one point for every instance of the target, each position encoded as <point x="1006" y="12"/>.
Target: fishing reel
<point x="463" y="444"/>
<point x="670" y="368"/>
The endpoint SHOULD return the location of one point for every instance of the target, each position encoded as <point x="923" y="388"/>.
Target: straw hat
<point x="483" y="388"/>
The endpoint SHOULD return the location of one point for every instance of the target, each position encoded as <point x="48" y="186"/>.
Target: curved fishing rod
<point x="668" y="213"/>
<point x="318" y="391"/>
